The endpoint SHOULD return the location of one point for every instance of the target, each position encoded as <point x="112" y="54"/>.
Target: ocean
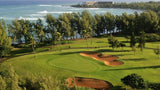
<point x="32" y="10"/>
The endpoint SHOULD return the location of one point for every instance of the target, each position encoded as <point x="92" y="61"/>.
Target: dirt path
<point x="108" y="59"/>
<point x="89" y="83"/>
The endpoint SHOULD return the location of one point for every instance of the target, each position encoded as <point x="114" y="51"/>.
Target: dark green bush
<point x="154" y="86"/>
<point x="122" y="44"/>
<point x="22" y="46"/>
<point x="135" y="81"/>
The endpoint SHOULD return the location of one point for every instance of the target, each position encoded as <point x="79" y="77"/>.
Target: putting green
<point x="74" y="62"/>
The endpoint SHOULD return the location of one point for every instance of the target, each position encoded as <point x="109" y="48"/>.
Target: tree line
<point x="151" y="5"/>
<point x="69" y="25"/>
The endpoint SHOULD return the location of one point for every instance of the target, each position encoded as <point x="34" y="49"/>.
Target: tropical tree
<point x="26" y="28"/>
<point x="39" y="31"/>
<point x="5" y="41"/>
<point x="114" y="43"/>
<point x="87" y="34"/>
<point x="73" y="24"/>
<point x="133" y="40"/>
<point x="20" y="29"/>
<point x="110" y="22"/>
<point x="33" y="45"/>
<point x="99" y="26"/>
<point x="149" y="22"/>
<point x="59" y="35"/>
<point x="76" y="25"/>
<point x="66" y="29"/>
<point x="118" y="23"/>
<point x="128" y="23"/>
<point x="142" y="41"/>
<point x="78" y="19"/>
<point x="15" y="31"/>
<point x="103" y="24"/>
<point x="87" y="25"/>
<point x="51" y="28"/>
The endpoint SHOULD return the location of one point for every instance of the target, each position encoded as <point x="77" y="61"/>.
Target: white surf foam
<point x="43" y="11"/>
<point x="76" y="9"/>
<point x="46" y="12"/>
<point x="50" y="5"/>
<point x="45" y="5"/>
<point x="62" y="12"/>
<point x="29" y="18"/>
<point x="92" y="8"/>
<point x="1" y="18"/>
<point x="32" y="15"/>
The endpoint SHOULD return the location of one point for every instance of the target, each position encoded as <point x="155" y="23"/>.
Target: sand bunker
<point x="108" y="59"/>
<point x="89" y="83"/>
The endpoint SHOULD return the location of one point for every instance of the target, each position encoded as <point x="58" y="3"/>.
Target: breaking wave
<point x="50" y="5"/>
<point x="28" y="18"/>
<point x="46" y="12"/>
<point x="45" y="5"/>
<point x="92" y="8"/>
<point x="32" y="15"/>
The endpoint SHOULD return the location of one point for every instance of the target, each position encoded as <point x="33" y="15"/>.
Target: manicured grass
<point x="68" y="63"/>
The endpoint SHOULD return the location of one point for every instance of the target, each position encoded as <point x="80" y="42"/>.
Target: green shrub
<point x="9" y="80"/>
<point x="114" y="43"/>
<point x="122" y="44"/>
<point x="42" y="82"/>
<point x="154" y="86"/>
<point x="2" y="84"/>
<point x="23" y="46"/>
<point x="135" y="81"/>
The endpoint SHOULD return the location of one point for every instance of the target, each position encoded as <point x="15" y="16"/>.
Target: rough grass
<point x="68" y="63"/>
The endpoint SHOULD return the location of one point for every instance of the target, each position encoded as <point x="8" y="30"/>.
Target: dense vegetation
<point x="5" y="41"/>
<point x="37" y="34"/>
<point x="137" y="82"/>
<point x="155" y="6"/>
<point x="68" y="26"/>
<point x="9" y="80"/>
<point x="134" y="81"/>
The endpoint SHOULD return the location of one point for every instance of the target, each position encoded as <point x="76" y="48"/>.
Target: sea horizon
<point x="59" y="2"/>
<point x="32" y="10"/>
